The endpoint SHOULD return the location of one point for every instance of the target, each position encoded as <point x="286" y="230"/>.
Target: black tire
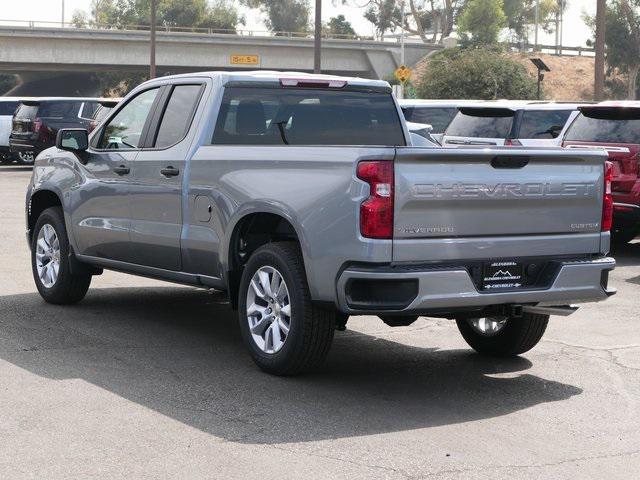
<point x="68" y="288"/>
<point x="311" y="327"/>
<point x="519" y="335"/>
<point x="398" y="321"/>
<point x="623" y="236"/>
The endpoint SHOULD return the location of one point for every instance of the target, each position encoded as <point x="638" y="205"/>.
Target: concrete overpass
<point x="48" y="49"/>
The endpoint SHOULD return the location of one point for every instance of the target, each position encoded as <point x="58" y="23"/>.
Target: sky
<point x="576" y="32"/>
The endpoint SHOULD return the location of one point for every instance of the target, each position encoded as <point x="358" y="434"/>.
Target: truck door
<point x="158" y="175"/>
<point x="101" y="215"/>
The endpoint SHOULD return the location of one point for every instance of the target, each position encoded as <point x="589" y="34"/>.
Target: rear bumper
<point x="451" y="289"/>
<point x="22" y="145"/>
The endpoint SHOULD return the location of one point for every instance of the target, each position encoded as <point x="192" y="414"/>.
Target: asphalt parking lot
<point x="149" y="380"/>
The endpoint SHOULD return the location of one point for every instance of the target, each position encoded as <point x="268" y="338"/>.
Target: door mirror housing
<point x="73" y="139"/>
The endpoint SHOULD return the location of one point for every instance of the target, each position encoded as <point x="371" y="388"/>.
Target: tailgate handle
<point x="509" y="162"/>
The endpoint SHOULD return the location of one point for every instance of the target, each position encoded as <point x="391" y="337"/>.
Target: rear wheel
<point x="283" y="330"/>
<point x="26" y="158"/>
<point x="50" y="261"/>
<point x="503" y="336"/>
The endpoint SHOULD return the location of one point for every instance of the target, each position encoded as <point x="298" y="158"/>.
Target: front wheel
<point x="50" y="261"/>
<point x="503" y="336"/>
<point x="283" y="330"/>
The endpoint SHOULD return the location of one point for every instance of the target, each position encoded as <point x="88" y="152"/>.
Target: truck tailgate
<point x="467" y="203"/>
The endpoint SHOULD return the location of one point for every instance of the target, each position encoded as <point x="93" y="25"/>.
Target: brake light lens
<point x="512" y="142"/>
<point x="607" y="207"/>
<point x="36" y="125"/>
<point x="376" y="212"/>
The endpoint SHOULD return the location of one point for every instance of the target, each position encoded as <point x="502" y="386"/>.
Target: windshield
<point x="438" y="117"/>
<point x="603" y="130"/>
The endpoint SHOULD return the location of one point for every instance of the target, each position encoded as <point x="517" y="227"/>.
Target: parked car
<point x="614" y="126"/>
<point x="421" y="135"/>
<point x="36" y="122"/>
<point x="301" y="198"/>
<point x="437" y="113"/>
<point x="511" y="123"/>
<point x="8" y="106"/>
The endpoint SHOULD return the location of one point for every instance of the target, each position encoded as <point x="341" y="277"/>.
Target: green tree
<point x="339" y="26"/>
<point x="482" y="20"/>
<point x="283" y="15"/>
<point x="622" y="39"/>
<point x="219" y="14"/>
<point x="521" y="16"/>
<point x="421" y="16"/>
<point x="474" y="73"/>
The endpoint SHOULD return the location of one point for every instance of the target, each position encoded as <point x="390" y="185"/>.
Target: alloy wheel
<point x="268" y="309"/>
<point x="48" y="256"/>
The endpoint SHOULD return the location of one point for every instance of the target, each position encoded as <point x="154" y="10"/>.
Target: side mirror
<point x="74" y="140"/>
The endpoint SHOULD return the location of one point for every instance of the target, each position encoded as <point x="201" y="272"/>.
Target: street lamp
<point x="62" y="22"/>
<point x="152" y="50"/>
<point x="542" y="67"/>
<point x="317" y="41"/>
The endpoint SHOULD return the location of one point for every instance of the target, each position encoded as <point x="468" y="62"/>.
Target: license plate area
<point x="502" y="275"/>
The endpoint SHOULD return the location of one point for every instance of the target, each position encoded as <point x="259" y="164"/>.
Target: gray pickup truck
<point x="302" y="197"/>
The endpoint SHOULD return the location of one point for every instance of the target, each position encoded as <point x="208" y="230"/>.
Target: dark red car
<point x="614" y="126"/>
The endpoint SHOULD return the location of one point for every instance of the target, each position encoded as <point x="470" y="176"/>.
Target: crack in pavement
<point x="533" y="465"/>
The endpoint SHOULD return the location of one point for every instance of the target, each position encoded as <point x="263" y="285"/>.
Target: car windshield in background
<point x="59" y="109"/>
<point x="543" y="124"/>
<point x="604" y="130"/>
<point x="481" y="123"/>
<point x="438" y="117"/>
<point x="8" y="108"/>
<point x="278" y="116"/>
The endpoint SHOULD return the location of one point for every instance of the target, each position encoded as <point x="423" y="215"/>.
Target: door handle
<point x="170" y="172"/>
<point x="122" y="170"/>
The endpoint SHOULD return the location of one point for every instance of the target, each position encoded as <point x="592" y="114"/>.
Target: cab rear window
<point x="604" y="129"/>
<point x="306" y="116"/>
<point x="481" y="123"/>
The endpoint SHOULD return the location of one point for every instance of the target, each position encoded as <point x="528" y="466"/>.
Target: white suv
<point x="511" y="123"/>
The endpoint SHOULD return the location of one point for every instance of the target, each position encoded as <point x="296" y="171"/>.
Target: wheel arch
<point x="250" y="230"/>
<point x="40" y="200"/>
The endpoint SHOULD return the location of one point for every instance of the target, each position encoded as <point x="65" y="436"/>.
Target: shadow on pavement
<point x="178" y="351"/>
<point x="627" y="255"/>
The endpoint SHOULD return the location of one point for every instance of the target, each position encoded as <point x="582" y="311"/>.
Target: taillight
<point x="512" y="142"/>
<point x="376" y="212"/>
<point x="36" y="125"/>
<point x="607" y="203"/>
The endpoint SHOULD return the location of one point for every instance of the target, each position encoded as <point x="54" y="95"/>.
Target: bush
<point x="480" y="73"/>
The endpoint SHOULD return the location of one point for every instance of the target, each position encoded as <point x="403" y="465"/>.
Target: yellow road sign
<point x="245" y="59"/>
<point x="403" y="73"/>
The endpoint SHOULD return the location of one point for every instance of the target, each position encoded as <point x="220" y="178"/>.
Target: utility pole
<point x="537" y="22"/>
<point x="62" y="22"/>
<point x="152" y="50"/>
<point x="598" y="88"/>
<point x="317" y="40"/>
<point x="402" y="44"/>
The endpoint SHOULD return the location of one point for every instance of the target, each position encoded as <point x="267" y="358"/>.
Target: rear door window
<point x="306" y="116"/>
<point x="178" y="115"/>
<point x="604" y="130"/>
<point x="481" y="123"/>
<point x="438" y="117"/>
<point x="8" y="108"/>
<point x="543" y="124"/>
